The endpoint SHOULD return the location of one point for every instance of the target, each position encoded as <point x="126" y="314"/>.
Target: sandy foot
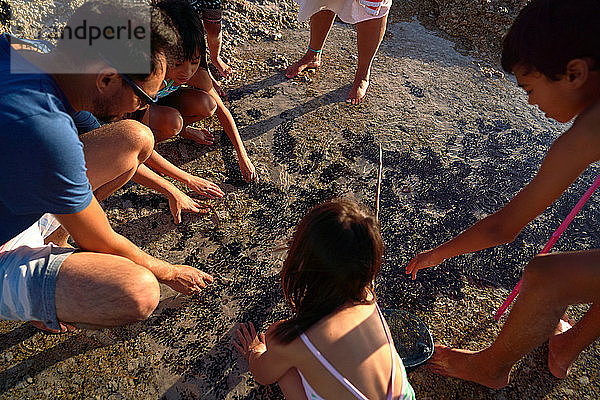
<point x="310" y="60"/>
<point x="466" y="365"/>
<point x="224" y="69"/>
<point x="358" y="92"/>
<point x="559" y="360"/>
<point x="198" y="135"/>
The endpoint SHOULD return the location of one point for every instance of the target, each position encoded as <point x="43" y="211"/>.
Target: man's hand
<point x="179" y="201"/>
<point x="247" y="168"/>
<point x="188" y="280"/>
<point x="422" y="260"/>
<point x="203" y="187"/>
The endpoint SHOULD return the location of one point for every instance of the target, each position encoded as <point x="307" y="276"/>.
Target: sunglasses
<point x="139" y="92"/>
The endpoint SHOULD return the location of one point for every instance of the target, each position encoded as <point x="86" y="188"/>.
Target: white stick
<point x="379" y="176"/>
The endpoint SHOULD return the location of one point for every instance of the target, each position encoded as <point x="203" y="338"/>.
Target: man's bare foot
<point x="359" y="91"/>
<point x="560" y="358"/>
<point x="224" y="69"/>
<point x="310" y="60"/>
<point x="198" y="135"/>
<point x="64" y="327"/>
<point x="467" y="365"/>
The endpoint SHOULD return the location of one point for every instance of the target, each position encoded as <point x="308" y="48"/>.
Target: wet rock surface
<point x="459" y="140"/>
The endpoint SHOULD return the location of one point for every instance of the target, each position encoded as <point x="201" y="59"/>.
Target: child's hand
<point x="422" y="260"/>
<point x="248" y="341"/>
<point x="247" y="168"/>
<point x="204" y="187"/>
<point x="179" y="201"/>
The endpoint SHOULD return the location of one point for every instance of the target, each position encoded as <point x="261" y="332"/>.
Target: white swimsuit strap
<point x="331" y="368"/>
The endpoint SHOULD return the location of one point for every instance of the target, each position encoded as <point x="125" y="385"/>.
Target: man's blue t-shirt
<point x="42" y="167"/>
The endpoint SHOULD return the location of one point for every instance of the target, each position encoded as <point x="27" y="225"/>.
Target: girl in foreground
<point x="337" y="345"/>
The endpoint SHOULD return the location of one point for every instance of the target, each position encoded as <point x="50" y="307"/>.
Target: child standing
<point x="211" y="12"/>
<point x="553" y="48"/>
<point x="337" y="344"/>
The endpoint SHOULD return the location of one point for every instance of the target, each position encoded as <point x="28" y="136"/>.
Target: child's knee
<point x="541" y="274"/>
<point x="207" y="106"/>
<point x="166" y="123"/>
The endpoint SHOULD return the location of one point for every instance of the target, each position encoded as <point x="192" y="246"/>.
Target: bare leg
<point x="369" y="36"/>
<point x="566" y="345"/>
<point x="165" y="122"/>
<point x="550" y="283"/>
<point x="291" y="385"/>
<point x="103" y="290"/>
<point x="320" y="25"/>
<point x="214" y="37"/>
<point x="113" y="154"/>
<point x="190" y="104"/>
<point x="127" y="144"/>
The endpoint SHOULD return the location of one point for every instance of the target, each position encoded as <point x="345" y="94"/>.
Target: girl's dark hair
<point x="334" y="257"/>
<point x="188" y="24"/>
<point x="547" y="34"/>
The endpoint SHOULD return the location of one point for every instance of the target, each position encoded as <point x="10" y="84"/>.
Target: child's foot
<point x="310" y="60"/>
<point x="560" y="358"/>
<point x="198" y="135"/>
<point x="224" y="69"/>
<point x="466" y="365"/>
<point x="359" y="90"/>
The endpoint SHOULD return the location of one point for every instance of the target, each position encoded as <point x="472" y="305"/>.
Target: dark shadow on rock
<point x="252" y="88"/>
<point x="259" y="128"/>
<point x="79" y="344"/>
<point x="17" y="335"/>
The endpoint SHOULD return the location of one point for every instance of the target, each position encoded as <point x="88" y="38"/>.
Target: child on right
<point x="337" y="345"/>
<point x="553" y="48"/>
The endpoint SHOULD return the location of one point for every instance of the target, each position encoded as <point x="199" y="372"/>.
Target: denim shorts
<point x="28" y="271"/>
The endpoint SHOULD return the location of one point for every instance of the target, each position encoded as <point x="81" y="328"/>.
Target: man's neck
<point x="74" y="86"/>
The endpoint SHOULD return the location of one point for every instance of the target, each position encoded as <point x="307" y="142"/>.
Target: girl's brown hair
<point x="334" y="257"/>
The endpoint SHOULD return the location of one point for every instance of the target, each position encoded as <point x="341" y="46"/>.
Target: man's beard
<point x="104" y="110"/>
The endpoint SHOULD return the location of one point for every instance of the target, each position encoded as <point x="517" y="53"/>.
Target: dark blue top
<point x="42" y="167"/>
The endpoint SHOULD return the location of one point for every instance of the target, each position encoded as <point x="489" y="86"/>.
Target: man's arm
<point x="92" y="232"/>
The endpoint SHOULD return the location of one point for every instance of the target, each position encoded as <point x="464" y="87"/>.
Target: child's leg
<point x="291" y="385"/>
<point x="369" y="36"/>
<point x="193" y="105"/>
<point x="565" y="346"/>
<point x="211" y="18"/>
<point x="320" y="25"/>
<point x="550" y="284"/>
<point x="164" y="121"/>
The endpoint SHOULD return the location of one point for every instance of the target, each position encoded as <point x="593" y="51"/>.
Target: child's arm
<point x="267" y="363"/>
<point x="202" y="186"/>
<point x="567" y="158"/>
<point x="178" y="201"/>
<point x="202" y="80"/>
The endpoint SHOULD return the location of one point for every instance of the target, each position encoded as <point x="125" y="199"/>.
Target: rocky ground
<point x="458" y="138"/>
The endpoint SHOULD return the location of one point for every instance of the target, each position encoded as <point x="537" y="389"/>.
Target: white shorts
<point x="28" y="271"/>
